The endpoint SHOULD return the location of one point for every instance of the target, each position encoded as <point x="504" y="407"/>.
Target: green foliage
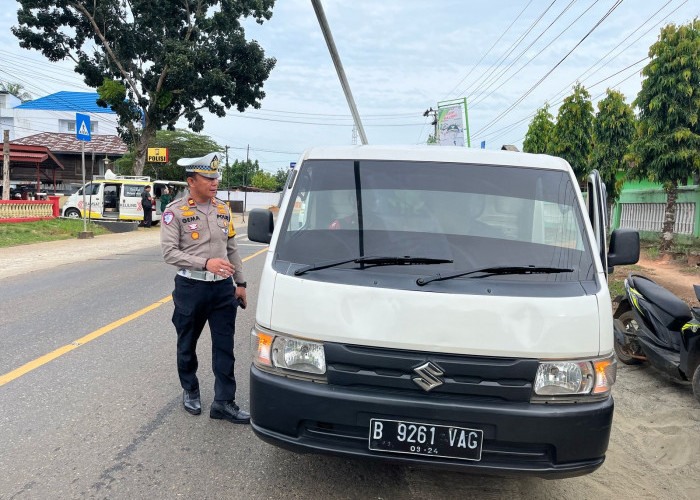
<point x="264" y="180"/>
<point x="432" y="139"/>
<point x="572" y="138"/>
<point x="240" y="173"/>
<point x="667" y="149"/>
<point x="17" y="90"/>
<point x="539" y="132"/>
<point x="613" y="132"/>
<point x="172" y="59"/>
<point x="281" y="178"/>
<point x="180" y="144"/>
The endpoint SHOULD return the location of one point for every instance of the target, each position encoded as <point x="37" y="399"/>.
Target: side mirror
<point x="624" y="248"/>
<point x="261" y="224"/>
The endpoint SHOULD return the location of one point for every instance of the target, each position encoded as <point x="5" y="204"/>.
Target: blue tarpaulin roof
<point x="67" y="101"/>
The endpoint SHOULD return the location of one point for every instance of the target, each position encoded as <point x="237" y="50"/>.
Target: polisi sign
<point x="157" y="155"/>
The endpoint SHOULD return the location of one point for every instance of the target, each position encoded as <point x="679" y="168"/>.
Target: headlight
<point x="282" y="353"/>
<point x="573" y="380"/>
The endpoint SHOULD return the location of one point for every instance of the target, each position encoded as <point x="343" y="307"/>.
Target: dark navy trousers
<point x="197" y="302"/>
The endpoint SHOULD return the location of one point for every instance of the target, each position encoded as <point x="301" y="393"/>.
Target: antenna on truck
<point x="323" y="22"/>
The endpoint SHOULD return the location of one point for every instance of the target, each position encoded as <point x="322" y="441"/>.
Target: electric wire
<point x="476" y="101"/>
<point x="529" y="91"/>
<point x="487" y="52"/>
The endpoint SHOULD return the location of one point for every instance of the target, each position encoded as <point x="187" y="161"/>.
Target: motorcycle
<point x="651" y="324"/>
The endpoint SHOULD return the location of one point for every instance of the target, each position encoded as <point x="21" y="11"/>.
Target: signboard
<point x="82" y="127"/>
<point x="450" y="126"/>
<point x="157" y="155"/>
<point x="292" y="164"/>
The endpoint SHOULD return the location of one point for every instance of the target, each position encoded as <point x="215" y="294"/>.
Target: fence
<point x="643" y="209"/>
<point x="650" y="217"/>
<point x="25" y="211"/>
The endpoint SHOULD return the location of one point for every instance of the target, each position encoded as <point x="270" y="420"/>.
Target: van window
<point x="475" y="215"/>
<point x="133" y="190"/>
<point x="92" y="189"/>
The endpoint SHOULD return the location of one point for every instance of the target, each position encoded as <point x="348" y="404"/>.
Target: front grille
<point x="481" y="377"/>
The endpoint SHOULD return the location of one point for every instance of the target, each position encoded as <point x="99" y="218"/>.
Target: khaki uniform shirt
<point x="189" y="236"/>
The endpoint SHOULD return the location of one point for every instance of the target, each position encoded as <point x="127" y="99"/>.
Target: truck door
<point x="596" y="202"/>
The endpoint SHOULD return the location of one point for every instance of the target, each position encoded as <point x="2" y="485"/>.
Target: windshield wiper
<point x="495" y="270"/>
<point x="375" y="260"/>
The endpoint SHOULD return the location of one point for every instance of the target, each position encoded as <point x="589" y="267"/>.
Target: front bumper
<point x="552" y="441"/>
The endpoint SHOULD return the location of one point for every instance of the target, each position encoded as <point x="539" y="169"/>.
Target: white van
<point x="119" y="197"/>
<point x="440" y="306"/>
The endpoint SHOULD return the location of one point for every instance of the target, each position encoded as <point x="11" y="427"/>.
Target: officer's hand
<point x="240" y="293"/>
<point x="222" y="267"/>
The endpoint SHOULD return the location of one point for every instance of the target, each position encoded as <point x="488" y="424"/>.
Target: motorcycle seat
<point x="662" y="298"/>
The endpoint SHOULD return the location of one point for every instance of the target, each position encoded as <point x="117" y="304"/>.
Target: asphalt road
<point x="102" y="418"/>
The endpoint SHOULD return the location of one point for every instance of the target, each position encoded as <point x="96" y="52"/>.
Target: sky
<point x="402" y="57"/>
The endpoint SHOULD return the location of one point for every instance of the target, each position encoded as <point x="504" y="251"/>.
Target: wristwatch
<point x="242" y="285"/>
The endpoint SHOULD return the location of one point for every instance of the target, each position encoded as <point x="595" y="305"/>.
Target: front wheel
<point x="72" y="213"/>
<point x="696" y="383"/>
<point x="625" y="353"/>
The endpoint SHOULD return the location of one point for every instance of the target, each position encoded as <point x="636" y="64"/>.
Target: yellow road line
<point x="8" y="377"/>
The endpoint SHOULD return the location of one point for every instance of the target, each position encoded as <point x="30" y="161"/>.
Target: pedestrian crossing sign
<point x="82" y="127"/>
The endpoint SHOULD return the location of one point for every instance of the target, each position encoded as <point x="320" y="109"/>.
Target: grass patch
<point x="21" y="233"/>
<point x="616" y="287"/>
<point x="652" y="253"/>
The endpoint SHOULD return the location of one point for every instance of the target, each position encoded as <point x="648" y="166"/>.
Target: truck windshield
<point x="470" y="215"/>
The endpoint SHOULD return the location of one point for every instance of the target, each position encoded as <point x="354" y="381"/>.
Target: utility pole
<point x="326" y="30"/>
<point x="6" y="166"/>
<point x="227" y="178"/>
<point x="434" y="123"/>
<point x="245" y="182"/>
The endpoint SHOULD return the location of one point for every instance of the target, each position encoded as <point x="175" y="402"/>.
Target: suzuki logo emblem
<point x="428" y="378"/>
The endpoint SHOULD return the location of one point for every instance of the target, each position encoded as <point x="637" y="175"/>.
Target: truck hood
<point x="485" y="325"/>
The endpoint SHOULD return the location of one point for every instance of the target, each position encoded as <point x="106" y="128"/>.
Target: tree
<point x="281" y="178"/>
<point x="154" y="61"/>
<point x="667" y="148"/>
<point x="240" y="173"/>
<point x="613" y="132"/>
<point x="539" y="132"/>
<point x="17" y="90"/>
<point x="264" y="180"/>
<point x="180" y="144"/>
<point x="572" y="137"/>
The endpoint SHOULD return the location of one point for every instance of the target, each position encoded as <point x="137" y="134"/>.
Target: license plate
<point x="414" y="438"/>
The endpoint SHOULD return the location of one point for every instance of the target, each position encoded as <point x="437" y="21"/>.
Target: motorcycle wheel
<point x="623" y="352"/>
<point x="696" y="383"/>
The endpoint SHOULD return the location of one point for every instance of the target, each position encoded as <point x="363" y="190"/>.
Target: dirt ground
<point x="655" y="444"/>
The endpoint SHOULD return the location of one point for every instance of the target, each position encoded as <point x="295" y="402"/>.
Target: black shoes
<point x="229" y="410"/>
<point x="191" y="402"/>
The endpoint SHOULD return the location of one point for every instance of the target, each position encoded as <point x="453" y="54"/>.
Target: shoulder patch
<point x="168" y="217"/>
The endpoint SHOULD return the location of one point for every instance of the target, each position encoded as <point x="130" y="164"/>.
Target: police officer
<point x="197" y="236"/>
<point x="147" y="205"/>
